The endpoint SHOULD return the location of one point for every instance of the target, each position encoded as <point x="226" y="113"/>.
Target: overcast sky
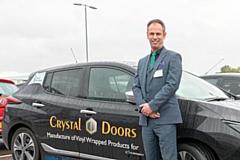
<point x="37" y="34"/>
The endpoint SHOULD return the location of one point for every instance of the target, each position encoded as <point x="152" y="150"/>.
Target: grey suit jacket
<point x="164" y="82"/>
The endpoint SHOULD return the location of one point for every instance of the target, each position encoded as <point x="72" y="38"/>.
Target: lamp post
<point x="85" y="6"/>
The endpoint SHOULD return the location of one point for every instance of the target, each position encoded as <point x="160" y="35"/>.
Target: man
<point x="154" y="91"/>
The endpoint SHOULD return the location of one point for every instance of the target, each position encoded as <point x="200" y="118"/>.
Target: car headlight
<point x="233" y="125"/>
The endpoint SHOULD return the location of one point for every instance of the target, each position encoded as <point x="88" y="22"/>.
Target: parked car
<point x="228" y="81"/>
<point x="87" y="111"/>
<point x="7" y="88"/>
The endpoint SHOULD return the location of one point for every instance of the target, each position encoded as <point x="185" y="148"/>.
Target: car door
<point x="111" y="124"/>
<point x="56" y="108"/>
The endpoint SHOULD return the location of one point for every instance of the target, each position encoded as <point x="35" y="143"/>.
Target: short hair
<point x="157" y="21"/>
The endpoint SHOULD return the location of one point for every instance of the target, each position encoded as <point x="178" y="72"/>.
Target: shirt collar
<point x="158" y="51"/>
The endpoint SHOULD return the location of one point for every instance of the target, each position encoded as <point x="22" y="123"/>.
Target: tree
<point x="228" y="69"/>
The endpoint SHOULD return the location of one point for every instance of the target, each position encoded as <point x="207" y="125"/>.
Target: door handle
<point x="88" y="112"/>
<point x="37" y="105"/>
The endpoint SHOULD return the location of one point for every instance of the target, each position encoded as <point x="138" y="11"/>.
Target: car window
<point x="63" y="82"/>
<point x="7" y="88"/>
<point x="231" y="84"/>
<point x="47" y="82"/>
<point x="211" y="80"/>
<point x="197" y="88"/>
<point x="109" y="84"/>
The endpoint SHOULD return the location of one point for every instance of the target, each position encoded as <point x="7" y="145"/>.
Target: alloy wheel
<point x="24" y="148"/>
<point x="184" y="155"/>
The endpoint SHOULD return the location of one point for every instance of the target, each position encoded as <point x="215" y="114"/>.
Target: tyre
<point x="190" y="152"/>
<point x="24" y="145"/>
<point x="204" y="150"/>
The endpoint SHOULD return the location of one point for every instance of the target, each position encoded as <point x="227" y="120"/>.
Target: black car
<point x="87" y="111"/>
<point x="228" y="81"/>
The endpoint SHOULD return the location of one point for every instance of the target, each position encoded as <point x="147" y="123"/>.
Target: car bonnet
<point x="228" y="109"/>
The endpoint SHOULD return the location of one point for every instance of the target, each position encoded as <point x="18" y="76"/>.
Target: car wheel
<point x="24" y="145"/>
<point x="204" y="150"/>
<point x="189" y="152"/>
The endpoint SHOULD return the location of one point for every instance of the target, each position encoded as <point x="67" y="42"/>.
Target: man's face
<point x="156" y="36"/>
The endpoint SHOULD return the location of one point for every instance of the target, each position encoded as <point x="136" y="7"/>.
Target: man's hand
<point x="146" y="110"/>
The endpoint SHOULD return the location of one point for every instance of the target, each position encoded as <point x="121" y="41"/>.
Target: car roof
<point x="222" y="75"/>
<point x="97" y="63"/>
<point x="122" y="64"/>
<point x="6" y="81"/>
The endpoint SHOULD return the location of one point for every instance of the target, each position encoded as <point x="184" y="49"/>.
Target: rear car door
<point x="111" y="123"/>
<point x="56" y="110"/>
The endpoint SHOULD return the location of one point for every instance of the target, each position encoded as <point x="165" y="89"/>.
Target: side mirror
<point x="130" y="97"/>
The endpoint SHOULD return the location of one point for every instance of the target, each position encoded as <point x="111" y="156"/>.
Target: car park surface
<point x="87" y="111"/>
<point x="7" y="88"/>
<point x="228" y="81"/>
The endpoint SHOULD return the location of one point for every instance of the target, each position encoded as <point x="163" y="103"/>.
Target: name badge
<point x="158" y="73"/>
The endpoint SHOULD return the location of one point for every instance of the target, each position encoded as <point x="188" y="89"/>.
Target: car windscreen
<point x="7" y="89"/>
<point x="196" y="88"/>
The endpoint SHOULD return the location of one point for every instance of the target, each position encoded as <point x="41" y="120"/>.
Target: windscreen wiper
<point x="216" y="99"/>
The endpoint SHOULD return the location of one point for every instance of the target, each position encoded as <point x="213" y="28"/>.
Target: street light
<point x="85" y="6"/>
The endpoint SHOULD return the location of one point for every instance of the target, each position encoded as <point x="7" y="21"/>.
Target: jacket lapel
<point x="145" y="70"/>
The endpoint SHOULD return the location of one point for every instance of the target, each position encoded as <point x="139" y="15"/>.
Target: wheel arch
<point x="13" y="130"/>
